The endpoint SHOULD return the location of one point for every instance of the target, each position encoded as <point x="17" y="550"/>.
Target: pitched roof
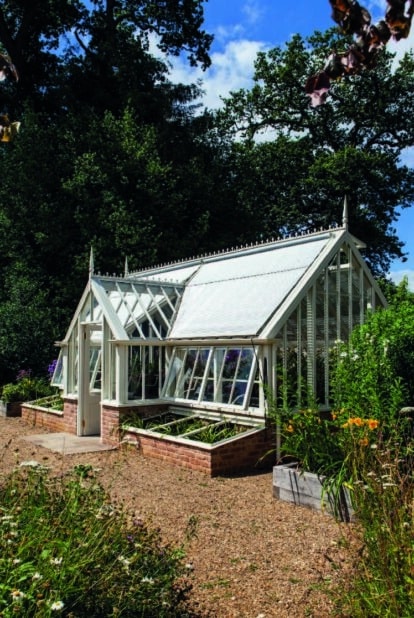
<point x="235" y="294"/>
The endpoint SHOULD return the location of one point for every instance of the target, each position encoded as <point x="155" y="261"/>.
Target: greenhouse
<point x="214" y="335"/>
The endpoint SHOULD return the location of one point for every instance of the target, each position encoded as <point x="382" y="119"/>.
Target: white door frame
<point x="89" y="401"/>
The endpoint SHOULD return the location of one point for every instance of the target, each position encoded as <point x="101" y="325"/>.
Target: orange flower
<point x="364" y="442"/>
<point x="290" y="428"/>
<point x="354" y="421"/>
<point x="357" y="421"/>
<point x="372" y="423"/>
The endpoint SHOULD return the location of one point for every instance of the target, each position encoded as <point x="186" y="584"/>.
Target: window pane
<point x="134" y="373"/>
<point x="95" y="374"/>
<point x="57" y="377"/>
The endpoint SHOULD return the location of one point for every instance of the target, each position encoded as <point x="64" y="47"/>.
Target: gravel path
<point x="253" y="556"/>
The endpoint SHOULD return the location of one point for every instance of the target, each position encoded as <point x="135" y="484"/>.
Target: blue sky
<point x="243" y="27"/>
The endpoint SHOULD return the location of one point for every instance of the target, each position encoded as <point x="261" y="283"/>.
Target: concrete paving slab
<point x="68" y="444"/>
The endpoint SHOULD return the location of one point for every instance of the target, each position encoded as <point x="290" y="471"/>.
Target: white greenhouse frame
<point x="216" y="333"/>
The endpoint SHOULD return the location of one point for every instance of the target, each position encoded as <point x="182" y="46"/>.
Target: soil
<point x="252" y="556"/>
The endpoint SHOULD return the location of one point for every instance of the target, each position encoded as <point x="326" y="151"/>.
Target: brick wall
<point x="241" y="454"/>
<point x="112" y="418"/>
<point x="53" y="420"/>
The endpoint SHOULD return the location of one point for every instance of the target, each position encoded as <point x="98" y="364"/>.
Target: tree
<point x="26" y="325"/>
<point x="313" y="157"/>
<point x="96" y="162"/>
<point x="59" y="45"/>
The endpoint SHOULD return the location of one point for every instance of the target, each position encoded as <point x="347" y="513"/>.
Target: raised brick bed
<point x="245" y="452"/>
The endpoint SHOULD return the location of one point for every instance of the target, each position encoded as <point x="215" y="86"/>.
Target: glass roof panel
<point x="238" y="294"/>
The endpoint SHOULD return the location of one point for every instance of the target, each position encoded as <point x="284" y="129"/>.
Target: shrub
<point x="26" y="388"/>
<point x="374" y="371"/>
<point x="66" y="550"/>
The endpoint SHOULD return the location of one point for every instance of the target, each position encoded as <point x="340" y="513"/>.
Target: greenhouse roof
<point x="246" y="292"/>
<point x="236" y="293"/>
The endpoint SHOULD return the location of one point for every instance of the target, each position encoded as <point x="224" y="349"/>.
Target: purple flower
<point x="51" y="368"/>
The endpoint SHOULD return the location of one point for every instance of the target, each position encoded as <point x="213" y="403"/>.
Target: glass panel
<point x="218" y="375"/>
<point x="196" y="361"/>
<point x="152" y="372"/>
<point x="230" y="368"/>
<point x="212" y="391"/>
<point x="57" y="368"/>
<point x="254" y="401"/>
<point x="242" y="376"/>
<point x="144" y="372"/>
<point x="113" y="371"/>
<point x="134" y="372"/>
<point x="173" y="386"/>
<point x="95" y="373"/>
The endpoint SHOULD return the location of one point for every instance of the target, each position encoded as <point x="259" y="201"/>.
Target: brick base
<point x="240" y="454"/>
<point x="53" y="420"/>
<point x="243" y="453"/>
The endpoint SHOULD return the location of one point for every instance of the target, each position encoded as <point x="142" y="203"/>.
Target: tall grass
<point x="66" y="550"/>
<point x="383" y="496"/>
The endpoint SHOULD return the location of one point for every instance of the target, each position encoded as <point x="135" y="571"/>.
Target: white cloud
<point x="231" y="70"/>
<point x="398" y="275"/>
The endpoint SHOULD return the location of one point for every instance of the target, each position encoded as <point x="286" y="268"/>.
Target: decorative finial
<point x="345" y="213"/>
<point x="91" y="264"/>
<point x="126" y="270"/>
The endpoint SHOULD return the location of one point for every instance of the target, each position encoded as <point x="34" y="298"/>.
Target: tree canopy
<point x="112" y="155"/>
<point x="304" y="160"/>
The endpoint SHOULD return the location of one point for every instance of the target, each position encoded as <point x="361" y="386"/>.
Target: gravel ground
<point x="253" y="556"/>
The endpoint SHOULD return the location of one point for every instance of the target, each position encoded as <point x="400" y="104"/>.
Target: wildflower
<point x="36" y="576"/>
<point x="56" y="561"/>
<point x="364" y="442"/>
<point x="290" y="428"/>
<point x="17" y="595"/>
<point x="16" y="561"/>
<point x="57" y="606"/>
<point x="124" y="561"/>
<point x="147" y="580"/>
<point x="374" y="446"/>
<point x="372" y="423"/>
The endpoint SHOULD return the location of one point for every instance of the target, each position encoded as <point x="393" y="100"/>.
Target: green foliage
<point x="318" y="155"/>
<point x="66" y="550"/>
<point x="26" y="388"/>
<point x="25" y="324"/>
<point x="52" y="402"/>
<point x="191" y="427"/>
<point x="366" y="444"/>
<point x="383" y="494"/>
<point x="322" y="442"/>
<point x="374" y="371"/>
